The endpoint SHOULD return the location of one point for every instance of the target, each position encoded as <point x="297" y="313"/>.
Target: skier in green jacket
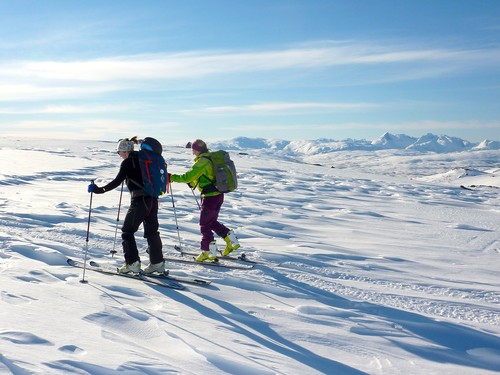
<point x="201" y="176"/>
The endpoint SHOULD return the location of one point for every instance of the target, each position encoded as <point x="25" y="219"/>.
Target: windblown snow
<point x="375" y="257"/>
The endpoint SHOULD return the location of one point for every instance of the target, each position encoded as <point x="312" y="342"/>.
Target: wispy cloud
<point x="95" y="128"/>
<point x="84" y="129"/>
<point x="139" y="87"/>
<point x="48" y="90"/>
<point x="68" y="109"/>
<point x="287" y="107"/>
<point x="206" y="63"/>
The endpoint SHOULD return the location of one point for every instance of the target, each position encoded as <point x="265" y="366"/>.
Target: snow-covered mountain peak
<point x="428" y="143"/>
<point x="391" y="141"/>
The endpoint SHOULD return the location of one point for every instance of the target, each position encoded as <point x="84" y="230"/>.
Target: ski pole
<point x="113" y="252"/>
<point x="178" y="248"/>
<point x="87" y="239"/>
<point x="196" y="199"/>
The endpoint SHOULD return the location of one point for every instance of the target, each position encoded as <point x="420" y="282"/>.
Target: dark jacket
<point x="130" y="172"/>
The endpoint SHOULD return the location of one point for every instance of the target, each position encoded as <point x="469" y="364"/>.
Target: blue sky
<point x="218" y="69"/>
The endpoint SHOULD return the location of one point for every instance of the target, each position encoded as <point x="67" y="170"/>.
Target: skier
<point x="201" y="176"/>
<point x="143" y="209"/>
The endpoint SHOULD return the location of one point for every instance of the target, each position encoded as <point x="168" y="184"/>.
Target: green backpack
<point x="226" y="179"/>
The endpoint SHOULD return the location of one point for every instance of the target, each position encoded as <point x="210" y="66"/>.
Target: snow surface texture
<point x="374" y="261"/>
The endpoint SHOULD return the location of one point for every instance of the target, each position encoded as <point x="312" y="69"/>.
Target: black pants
<point x="142" y="210"/>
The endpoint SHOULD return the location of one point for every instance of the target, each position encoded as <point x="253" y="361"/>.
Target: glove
<point x="93" y="188"/>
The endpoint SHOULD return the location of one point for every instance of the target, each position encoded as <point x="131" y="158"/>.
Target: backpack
<point x="226" y="179"/>
<point x="153" y="167"/>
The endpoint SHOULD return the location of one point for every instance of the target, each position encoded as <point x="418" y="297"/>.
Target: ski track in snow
<point x="344" y="254"/>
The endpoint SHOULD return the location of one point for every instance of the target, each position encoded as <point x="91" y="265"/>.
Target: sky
<point x="285" y="69"/>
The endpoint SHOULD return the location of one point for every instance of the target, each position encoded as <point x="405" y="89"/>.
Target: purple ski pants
<point x="209" y="213"/>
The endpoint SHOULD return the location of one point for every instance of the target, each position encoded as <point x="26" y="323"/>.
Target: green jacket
<point x="200" y="175"/>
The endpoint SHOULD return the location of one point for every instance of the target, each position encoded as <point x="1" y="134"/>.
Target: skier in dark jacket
<point x="143" y="209"/>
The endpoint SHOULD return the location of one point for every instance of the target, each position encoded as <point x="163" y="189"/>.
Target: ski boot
<point x="231" y="243"/>
<point x="209" y="255"/>
<point x="156" y="267"/>
<point x="128" y="268"/>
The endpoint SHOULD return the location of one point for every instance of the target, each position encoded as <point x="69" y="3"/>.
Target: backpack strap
<point x="211" y="187"/>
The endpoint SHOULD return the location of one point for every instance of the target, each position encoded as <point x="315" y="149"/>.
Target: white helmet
<point x="125" y="145"/>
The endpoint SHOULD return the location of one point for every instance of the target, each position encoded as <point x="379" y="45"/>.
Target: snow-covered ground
<point x="373" y="261"/>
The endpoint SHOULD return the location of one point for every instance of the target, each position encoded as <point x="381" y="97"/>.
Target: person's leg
<point x="151" y="231"/>
<point x="131" y="223"/>
<point x="222" y="231"/>
<point x="209" y="212"/>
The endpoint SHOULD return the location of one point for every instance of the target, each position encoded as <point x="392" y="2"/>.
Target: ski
<point x="242" y="257"/>
<point x="167" y="276"/>
<point x="477" y="187"/>
<point x="182" y="279"/>
<point x="164" y="283"/>
<point x="215" y="263"/>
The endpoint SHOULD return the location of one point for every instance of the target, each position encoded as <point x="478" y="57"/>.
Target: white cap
<point x="125" y="145"/>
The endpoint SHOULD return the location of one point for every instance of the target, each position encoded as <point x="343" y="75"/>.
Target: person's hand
<point x="93" y="188"/>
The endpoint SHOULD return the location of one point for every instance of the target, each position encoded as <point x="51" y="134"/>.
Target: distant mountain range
<point x="426" y="143"/>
